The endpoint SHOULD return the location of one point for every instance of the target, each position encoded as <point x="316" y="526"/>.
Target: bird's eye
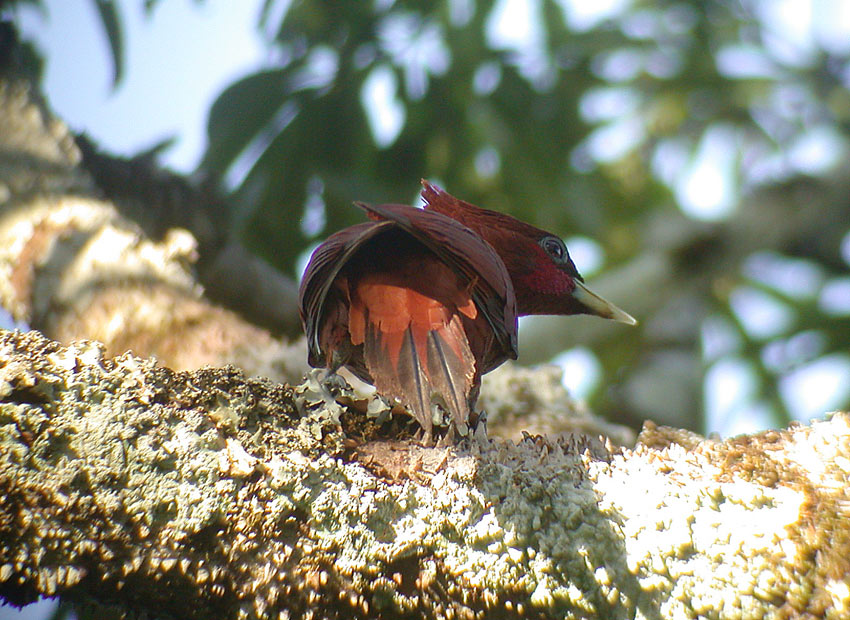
<point x="555" y="248"/>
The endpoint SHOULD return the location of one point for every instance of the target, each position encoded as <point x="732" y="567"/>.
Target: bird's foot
<point x="327" y="387"/>
<point x="327" y="384"/>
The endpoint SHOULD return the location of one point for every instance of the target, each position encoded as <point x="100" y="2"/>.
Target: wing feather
<point x="324" y="267"/>
<point x="469" y="256"/>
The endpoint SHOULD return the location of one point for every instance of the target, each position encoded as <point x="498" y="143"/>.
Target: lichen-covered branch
<point x="206" y="494"/>
<point x="73" y="267"/>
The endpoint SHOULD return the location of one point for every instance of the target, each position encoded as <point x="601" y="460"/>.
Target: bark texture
<point x="206" y="494"/>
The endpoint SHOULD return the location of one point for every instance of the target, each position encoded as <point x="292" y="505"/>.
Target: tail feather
<point x="407" y="378"/>
<point x="415" y="348"/>
<point x="443" y="369"/>
<point x="414" y="382"/>
<point x="451" y="367"/>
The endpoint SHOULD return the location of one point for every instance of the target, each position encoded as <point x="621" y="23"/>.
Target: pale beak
<point x="596" y="305"/>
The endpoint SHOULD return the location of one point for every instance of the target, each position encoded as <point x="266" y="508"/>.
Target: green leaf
<point x="239" y="114"/>
<point x="111" y="21"/>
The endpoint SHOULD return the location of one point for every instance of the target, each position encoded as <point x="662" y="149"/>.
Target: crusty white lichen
<point x="727" y="528"/>
<point x="207" y="494"/>
<point x="533" y="400"/>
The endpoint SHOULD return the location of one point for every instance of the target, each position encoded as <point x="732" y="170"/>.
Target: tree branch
<point x="72" y="267"/>
<point x="205" y="494"/>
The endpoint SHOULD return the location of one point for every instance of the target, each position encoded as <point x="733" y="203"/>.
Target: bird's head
<point x="544" y="276"/>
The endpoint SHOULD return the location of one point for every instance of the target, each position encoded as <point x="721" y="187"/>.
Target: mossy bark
<point x="206" y="494"/>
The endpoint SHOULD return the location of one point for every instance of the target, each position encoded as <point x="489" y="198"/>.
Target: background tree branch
<point x="74" y="267"/>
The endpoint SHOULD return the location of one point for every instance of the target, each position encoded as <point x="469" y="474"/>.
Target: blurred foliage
<point x="605" y="128"/>
<point x="305" y="122"/>
<point x="13" y="51"/>
<point x="108" y="14"/>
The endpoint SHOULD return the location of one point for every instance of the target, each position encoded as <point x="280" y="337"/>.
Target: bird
<point x="544" y="277"/>
<point x="421" y="302"/>
<point x="414" y="303"/>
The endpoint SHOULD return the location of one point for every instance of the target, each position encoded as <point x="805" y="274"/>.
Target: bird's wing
<point x="322" y="270"/>
<point x="469" y="256"/>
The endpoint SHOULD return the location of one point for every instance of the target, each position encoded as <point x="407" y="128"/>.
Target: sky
<point x="176" y="63"/>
